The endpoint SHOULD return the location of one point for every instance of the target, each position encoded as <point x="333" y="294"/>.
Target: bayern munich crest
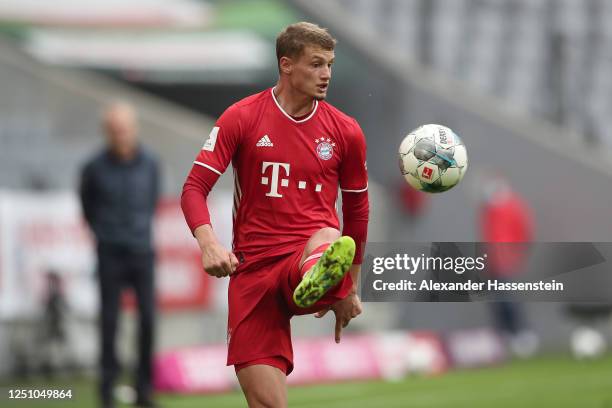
<point x="325" y="148"/>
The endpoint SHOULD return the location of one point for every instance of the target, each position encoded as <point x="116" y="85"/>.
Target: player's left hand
<point x="345" y="310"/>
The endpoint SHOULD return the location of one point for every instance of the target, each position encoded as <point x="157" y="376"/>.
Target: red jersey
<point x="287" y="172"/>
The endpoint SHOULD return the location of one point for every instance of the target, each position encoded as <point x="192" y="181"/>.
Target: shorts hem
<point x="280" y="362"/>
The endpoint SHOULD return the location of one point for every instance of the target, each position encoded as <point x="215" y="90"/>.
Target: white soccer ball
<point x="587" y="343"/>
<point x="433" y="158"/>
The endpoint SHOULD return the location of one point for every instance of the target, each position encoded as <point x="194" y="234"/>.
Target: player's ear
<point x="285" y="65"/>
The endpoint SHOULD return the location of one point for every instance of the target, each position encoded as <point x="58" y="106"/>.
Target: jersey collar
<point x="316" y="105"/>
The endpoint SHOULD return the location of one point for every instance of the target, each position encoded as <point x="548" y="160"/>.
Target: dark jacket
<point x="119" y="198"/>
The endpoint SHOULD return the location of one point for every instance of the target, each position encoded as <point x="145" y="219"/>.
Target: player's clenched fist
<point x="216" y="260"/>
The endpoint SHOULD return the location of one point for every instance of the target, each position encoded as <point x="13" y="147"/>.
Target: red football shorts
<point x="261" y="306"/>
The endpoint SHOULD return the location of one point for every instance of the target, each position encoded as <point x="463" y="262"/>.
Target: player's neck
<point x="294" y="103"/>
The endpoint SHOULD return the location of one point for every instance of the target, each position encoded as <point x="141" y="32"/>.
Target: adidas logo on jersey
<point x="265" y="142"/>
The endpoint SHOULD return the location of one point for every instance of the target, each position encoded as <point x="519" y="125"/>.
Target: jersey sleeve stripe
<point x="208" y="167"/>
<point x="355" y="191"/>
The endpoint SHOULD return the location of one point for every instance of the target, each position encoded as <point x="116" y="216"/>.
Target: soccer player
<point x="291" y="152"/>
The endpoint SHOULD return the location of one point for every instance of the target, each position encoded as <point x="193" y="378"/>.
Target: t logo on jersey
<point x="275" y="173"/>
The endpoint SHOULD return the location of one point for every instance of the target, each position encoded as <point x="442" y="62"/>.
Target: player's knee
<point x="263" y="386"/>
<point x="327" y="234"/>
<point x="260" y="398"/>
<point x="323" y="236"/>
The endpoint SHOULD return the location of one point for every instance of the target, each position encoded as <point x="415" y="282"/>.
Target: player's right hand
<point x="218" y="261"/>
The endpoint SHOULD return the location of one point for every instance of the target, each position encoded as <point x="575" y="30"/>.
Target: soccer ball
<point x="587" y="343"/>
<point x="433" y="158"/>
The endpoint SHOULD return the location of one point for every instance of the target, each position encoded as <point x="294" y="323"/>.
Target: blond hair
<point x="295" y="37"/>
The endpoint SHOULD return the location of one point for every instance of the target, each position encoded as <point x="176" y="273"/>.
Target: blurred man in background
<point x="119" y="192"/>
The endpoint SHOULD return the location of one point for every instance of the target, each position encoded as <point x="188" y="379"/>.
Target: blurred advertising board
<point x="385" y="355"/>
<point x="44" y="232"/>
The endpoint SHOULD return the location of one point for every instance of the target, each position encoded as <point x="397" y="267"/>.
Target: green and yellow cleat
<point x="326" y="273"/>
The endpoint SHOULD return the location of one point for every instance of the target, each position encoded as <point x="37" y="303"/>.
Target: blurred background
<point x="526" y="83"/>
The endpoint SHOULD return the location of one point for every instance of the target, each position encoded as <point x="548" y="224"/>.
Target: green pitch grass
<point x="544" y="382"/>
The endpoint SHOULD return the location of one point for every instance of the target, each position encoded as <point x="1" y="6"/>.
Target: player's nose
<point x="326" y="73"/>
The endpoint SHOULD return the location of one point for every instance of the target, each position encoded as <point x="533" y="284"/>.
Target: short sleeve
<point x="222" y="142"/>
<point x="353" y="169"/>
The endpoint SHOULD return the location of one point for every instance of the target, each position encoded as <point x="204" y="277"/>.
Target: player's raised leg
<point x="326" y="259"/>
<point x="321" y="238"/>
<point x="263" y="386"/>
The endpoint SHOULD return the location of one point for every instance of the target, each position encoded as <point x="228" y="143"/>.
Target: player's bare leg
<point x="323" y="236"/>
<point x="263" y="386"/>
